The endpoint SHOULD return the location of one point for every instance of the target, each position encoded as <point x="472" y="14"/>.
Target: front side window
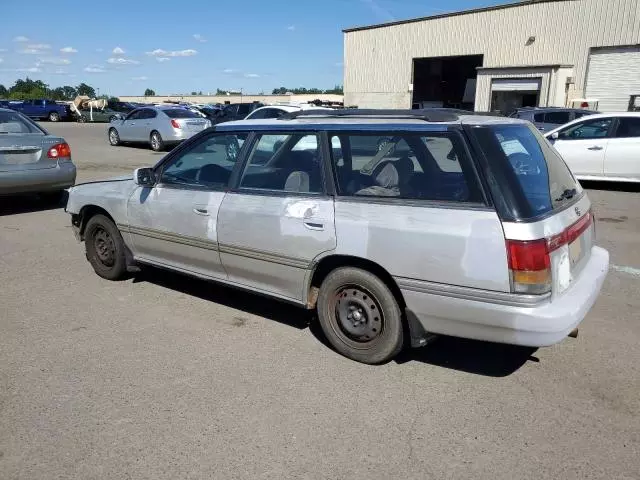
<point x="589" y="129"/>
<point x="628" y="127"/>
<point x="207" y="164"/>
<point x="284" y="163"/>
<point x="427" y="166"/>
<point x="135" y="114"/>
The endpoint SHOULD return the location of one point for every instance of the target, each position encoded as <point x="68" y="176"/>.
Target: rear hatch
<point x="546" y="215"/>
<point x="23" y="145"/>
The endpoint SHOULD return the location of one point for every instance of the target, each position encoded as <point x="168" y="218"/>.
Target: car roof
<point x="365" y="120"/>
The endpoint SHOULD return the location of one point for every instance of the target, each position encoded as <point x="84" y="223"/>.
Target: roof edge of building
<point x="450" y="14"/>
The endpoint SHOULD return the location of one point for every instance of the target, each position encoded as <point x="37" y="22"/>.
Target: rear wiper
<point x="568" y="194"/>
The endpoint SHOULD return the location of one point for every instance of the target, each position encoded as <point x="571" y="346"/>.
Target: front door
<point x="623" y="153"/>
<point x="174" y="223"/>
<point x="583" y="145"/>
<point x="127" y="130"/>
<point x="279" y="219"/>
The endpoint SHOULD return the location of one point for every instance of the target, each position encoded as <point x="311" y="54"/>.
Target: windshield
<point x="539" y="179"/>
<point x="13" y="122"/>
<point x="180" y="113"/>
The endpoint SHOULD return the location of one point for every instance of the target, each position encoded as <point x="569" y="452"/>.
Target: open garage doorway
<point x="509" y="94"/>
<point x="445" y="81"/>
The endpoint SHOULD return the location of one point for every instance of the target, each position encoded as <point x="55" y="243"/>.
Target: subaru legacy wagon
<point x="395" y="226"/>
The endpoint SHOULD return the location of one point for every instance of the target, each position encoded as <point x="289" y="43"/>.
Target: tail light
<point x="59" y="150"/>
<point x="530" y="260"/>
<point x="175" y="124"/>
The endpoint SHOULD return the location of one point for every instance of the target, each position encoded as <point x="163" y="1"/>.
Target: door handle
<point x="595" y="148"/>
<point x="313" y="225"/>
<point x="201" y="211"/>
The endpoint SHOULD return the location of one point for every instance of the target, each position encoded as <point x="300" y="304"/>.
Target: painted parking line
<point x="628" y="270"/>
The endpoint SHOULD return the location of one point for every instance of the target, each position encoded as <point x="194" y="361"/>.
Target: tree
<point x="337" y="90"/>
<point x="84" y="89"/>
<point x="3" y="91"/>
<point x="149" y="93"/>
<point x="194" y="93"/>
<point x="69" y="92"/>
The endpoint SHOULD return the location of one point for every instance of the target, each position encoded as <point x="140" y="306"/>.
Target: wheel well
<point x="86" y="213"/>
<point x="328" y="264"/>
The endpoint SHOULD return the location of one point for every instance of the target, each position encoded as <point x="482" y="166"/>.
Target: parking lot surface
<point x="165" y="377"/>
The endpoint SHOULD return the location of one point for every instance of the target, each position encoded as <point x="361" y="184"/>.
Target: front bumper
<point x="543" y="324"/>
<point x="62" y="176"/>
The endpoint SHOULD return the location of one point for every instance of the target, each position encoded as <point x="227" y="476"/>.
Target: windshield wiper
<point x="568" y="194"/>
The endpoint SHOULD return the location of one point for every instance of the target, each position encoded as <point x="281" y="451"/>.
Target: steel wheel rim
<point x="104" y="247"/>
<point x="155" y="142"/>
<point x="358" y="315"/>
<point x="113" y="137"/>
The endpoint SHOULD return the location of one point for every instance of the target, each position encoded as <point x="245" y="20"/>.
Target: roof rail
<point x="428" y="115"/>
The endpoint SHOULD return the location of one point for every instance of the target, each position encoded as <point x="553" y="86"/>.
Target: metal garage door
<point x="516" y="85"/>
<point x="613" y="75"/>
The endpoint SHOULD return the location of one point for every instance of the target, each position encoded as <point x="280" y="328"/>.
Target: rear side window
<point x="628" y="127"/>
<point x="179" y="113"/>
<point x="528" y="167"/>
<point x="431" y="166"/>
<point x="557" y="118"/>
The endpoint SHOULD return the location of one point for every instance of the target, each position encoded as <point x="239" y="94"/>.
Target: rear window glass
<point x="179" y="113"/>
<point x="12" y="122"/>
<point x="540" y="180"/>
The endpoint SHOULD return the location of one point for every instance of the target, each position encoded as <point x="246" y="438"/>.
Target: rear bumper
<point x="538" y="325"/>
<point x="46" y="179"/>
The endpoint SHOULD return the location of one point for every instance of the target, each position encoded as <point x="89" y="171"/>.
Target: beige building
<point x="530" y="53"/>
<point x="266" y="99"/>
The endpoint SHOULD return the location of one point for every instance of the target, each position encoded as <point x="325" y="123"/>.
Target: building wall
<point x="267" y="99"/>
<point x="378" y="62"/>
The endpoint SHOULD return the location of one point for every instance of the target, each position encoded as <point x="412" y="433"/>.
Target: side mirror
<point x="555" y="136"/>
<point x="144" y="177"/>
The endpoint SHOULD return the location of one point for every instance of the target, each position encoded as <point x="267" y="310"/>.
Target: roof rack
<point x="428" y="115"/>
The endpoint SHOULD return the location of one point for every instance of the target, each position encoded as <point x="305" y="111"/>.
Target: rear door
<point x="583" y="145"/>
<point x="23" y="145"/>
<point x="279" y="219"/>
<point x="622" y="159"/>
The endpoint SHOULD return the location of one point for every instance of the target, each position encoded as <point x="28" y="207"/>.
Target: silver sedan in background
<point x="31" y="160"/>
<point x="157" y="126"/>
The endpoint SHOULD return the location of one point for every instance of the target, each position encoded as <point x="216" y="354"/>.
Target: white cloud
<point x="29" y="70"/>
<point x="60" y="71"/>
<point x="3" y="50"/>
<point x="35" y="49"/>
<point x="55" y="61"/>
<point x="20" y="38"/>
<point x="228" y="70"/>
<point x="68" y="50"/>
<point x="118" y="51"/>
<point x="94" y="69"/>
<point x="199" y="38"/>
<point x="122" y="61"/>
<point x="251" y="75"/>
<point x="158" y="52"/>
<point x="162" y="59"/>
<point x="1" y="60"/>
<point x="291" y="28"/>
<point x="140" y="78"/>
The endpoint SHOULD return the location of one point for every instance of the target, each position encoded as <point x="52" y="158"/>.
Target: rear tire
<point x="156" y="142"/>
<point x="82" y="119"/>
<point x="360" y="316"/>
<point x="114" y="137"/>
<point x="105" y="248"/>
<point x="54" y="117"/>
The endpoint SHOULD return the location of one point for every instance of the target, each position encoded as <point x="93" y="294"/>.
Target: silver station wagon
<point x="394" y="225"/>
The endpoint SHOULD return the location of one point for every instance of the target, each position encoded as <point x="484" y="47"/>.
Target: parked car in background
<point x="42" y="109"/>
<point x="32" y="160"/>
<point x="601" y="147"/>
<point x="99" y="116"/>
<point x="157" y="126"/>
<point x="390" y="245"/>
<point x="551" y="117"/>
<point x="236" y="111"/>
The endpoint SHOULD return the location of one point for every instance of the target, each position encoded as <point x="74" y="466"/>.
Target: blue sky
<point x="177" y="46"/>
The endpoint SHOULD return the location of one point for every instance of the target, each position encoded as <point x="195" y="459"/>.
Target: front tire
<point x="54" y="117"/>
<point x="105" y="248"/>
<point x="156" y="142"/>
<point x="114" y="137"/>
<point x="360" y="316"/>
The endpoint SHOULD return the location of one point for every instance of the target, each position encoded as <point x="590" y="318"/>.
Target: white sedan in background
<point x="601" y="147"/>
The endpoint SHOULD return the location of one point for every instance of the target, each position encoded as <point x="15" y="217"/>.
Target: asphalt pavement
<point x="166" y="377"/>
